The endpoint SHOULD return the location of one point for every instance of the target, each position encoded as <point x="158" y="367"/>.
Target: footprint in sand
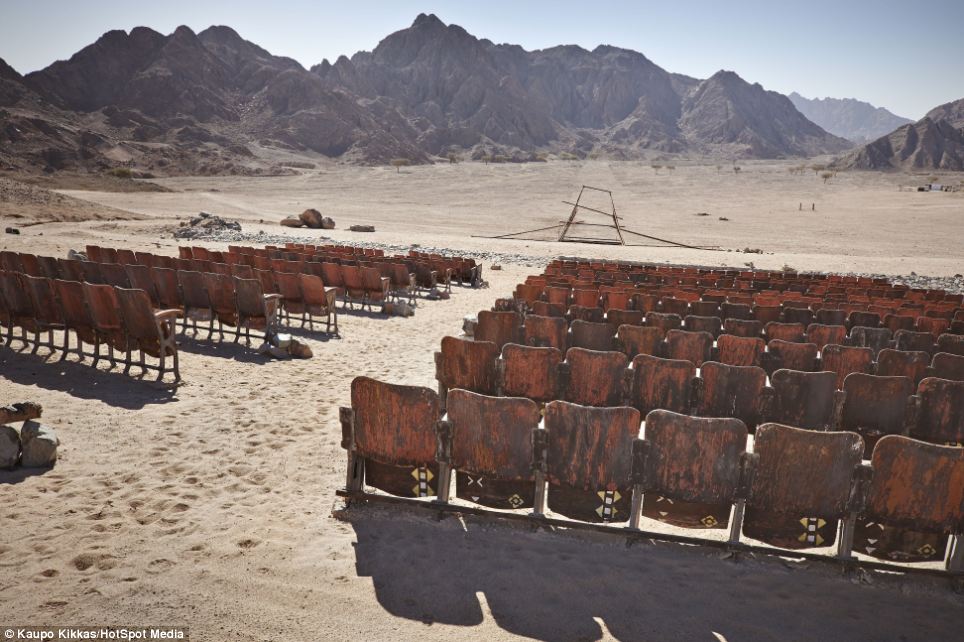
<point x="85" y="561"/>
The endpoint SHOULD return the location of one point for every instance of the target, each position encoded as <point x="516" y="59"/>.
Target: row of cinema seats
<point x="210" y="296"/>
<point x="365" y="282"/>
<point x="407" y="277"/>
<point x="933" y="320"/>
<point x="782" y="345"/>
<point x="872" y="405"/>
<point x="121" y="319"/>
<point x="791" y="488"/>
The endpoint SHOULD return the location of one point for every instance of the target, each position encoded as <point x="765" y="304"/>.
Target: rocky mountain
<point x="213" y="102"/>
<point x="952" y="112"/>
<point x="926" y="144"/>
<point x="849" y="118"/>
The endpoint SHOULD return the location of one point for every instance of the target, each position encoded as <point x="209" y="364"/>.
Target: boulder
<point x="327" y="223"/>
<point x="39" y="444"/>
<point x="299" y="349"/>
<point x="312" y="218"/>
<point x="9" y="446"/>
<point x="292" y="221"/>
<point x="74" y="255"/>
<point x="469" y="323"/>
<point x="20" y="412"/>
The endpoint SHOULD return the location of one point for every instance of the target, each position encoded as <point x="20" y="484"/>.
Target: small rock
<point x="292" y="221"/>
<point x="20" y="412"/>
<point x="327" y="223"/>
<point x="311" y="218"/>
<point x="362" y="228"/>
<point x="495" y="267"/>
<point x="74" y="255"/>
<point x="469" y="323"/>
<point x="9" y="446"/>
<point x="299" y="349"/>
<point x="39" y="443"/>
<point x="12" y="230"/>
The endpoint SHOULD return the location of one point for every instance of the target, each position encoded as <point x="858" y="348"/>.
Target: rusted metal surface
<point x="793" y="356"/>
<point x="590" y="461"/>
<point x="740" y="351"/>
<point x="948" y="366"/>
<point x="802" y="399"/>
<point x="742" y="327"/>
<point x="936" y="327"/>
<point x="616" y="318"/>
<point x="713" y="325"/>
<point x="874" y="338"/>
<point x="499" y="327"/>
<point x="732" y="391"/>
<point x="940" y="415"/>
<point x="693" y="459"/>
<point x="914" y="341"/>
<point x="633" y="340"/>
<point x="831" y="316"/>
<point x="591" y="336"/>
<point x="876" y="539"/>
<point x="864" y="319"/>
<point x="585" y="297"/>
<point x="531" y="372"/>
<point x="671" y="305"/>
<point x="546" y="309"/>
<point x="901" y="363"/>
<point x="592" y="314"/>
<point x="705" y="309"/>
<point x="845" y="360"/>
<point x="467" y="364"/>
<point x="822" y="335"/>
<point x="804" y="472"/>
<point x="491" y="448"/>
<point x="803" y="316"/>
<point x="661" y="384"/>
<point x="737" y="311"/>
<point x="665" y="322"/>
<point x="595" y="378"/>
<point x="917" y="485"/>
<point x="542" y="331"/>
<point x="895" y="322"/>
<point x="951" y="343"/>
<point x="105" y="313"/>
<point x="695" y="347"/>
<point x="766" y="314"/>
<point x="394" y="424"/>
<point x="790" y="332"/>
<point x="875" y="406"/>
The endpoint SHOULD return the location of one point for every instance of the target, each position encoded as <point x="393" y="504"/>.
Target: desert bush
<point x="567" y="156"/>
<point x="656" y="168"/>
<point x="453" y="158"/>
<point x="826" y="176"/>
<point x="121" y="172"/>
<point x="737" y="169"/>
<point x="399" y="163"/>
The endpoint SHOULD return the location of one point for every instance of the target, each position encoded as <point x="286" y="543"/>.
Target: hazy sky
<point x="904" y="56"/>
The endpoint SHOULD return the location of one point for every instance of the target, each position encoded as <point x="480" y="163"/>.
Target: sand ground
<point x="211" y="506"/>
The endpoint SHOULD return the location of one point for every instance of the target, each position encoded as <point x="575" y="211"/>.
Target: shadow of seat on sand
<point x="113" y="387"/>
<point x="573" y="585"/>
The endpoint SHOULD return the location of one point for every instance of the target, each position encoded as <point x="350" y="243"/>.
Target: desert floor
<point x="210" y="506"/>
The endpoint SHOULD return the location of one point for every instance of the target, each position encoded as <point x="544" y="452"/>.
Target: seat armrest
<point x="167" y="314"/>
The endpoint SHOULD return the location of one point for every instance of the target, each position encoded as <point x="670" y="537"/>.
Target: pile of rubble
<point x="204" y="225"/>
<point x="32" y="445"/>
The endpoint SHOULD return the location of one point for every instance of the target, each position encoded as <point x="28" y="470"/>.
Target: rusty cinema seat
<point x="665" y="322"/>
<point x="256" y="310"/>
<point x="731" y="391"/>
<point x="947" y="366"/>
<point x="149" y="331"/>
<point x="874" y="338"/>
<point x="901" y="363"/>
<point x="106" y="316"/>
<point x="789" y="332"/>
<point x="904" y="519"/>
<point x="695" y="347"/>
<point x="546" y="309"/>
<point x="390" y="435"/>
<point x="659" y="383"/>
<point x="634" y="340"/>
<point x="740" y="351"/>
<point x="742" y="327"/>
<point x="318" y="301"/>
<point x="845" y="360"/>
<point x="802" y="399"/>
<point x="803" y="482"/>
<point x="77" y="318"/>
<point x="591" y="314"/>
<point x="791" y="356"/>
<point x="531" y="372"/>
<point x="691" y="468"/>
<point x="488" y="441"/>
<point x="196" y="302"/>
<point x="822" y="335"/>
<point x="543" y="331"/>
<point x="589" y="461"/>
<point x="616" y="317"/>
<point x="499" y="328"/>
<point x="713" y="325"/>
<point x="222" y="294"/>
<point x="591" y="336"/>
<point x="951" y="343"/>
<point x="594" y="378"/>
<point x="909" y="340"/>
<point x="940" y="412"/>
<point x="466" y="364"/>
<point x="47" y="314"/>
<point x="875" y="406"/>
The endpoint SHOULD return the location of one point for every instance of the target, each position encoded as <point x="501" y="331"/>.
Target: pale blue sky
<point x="897" y="54"/>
